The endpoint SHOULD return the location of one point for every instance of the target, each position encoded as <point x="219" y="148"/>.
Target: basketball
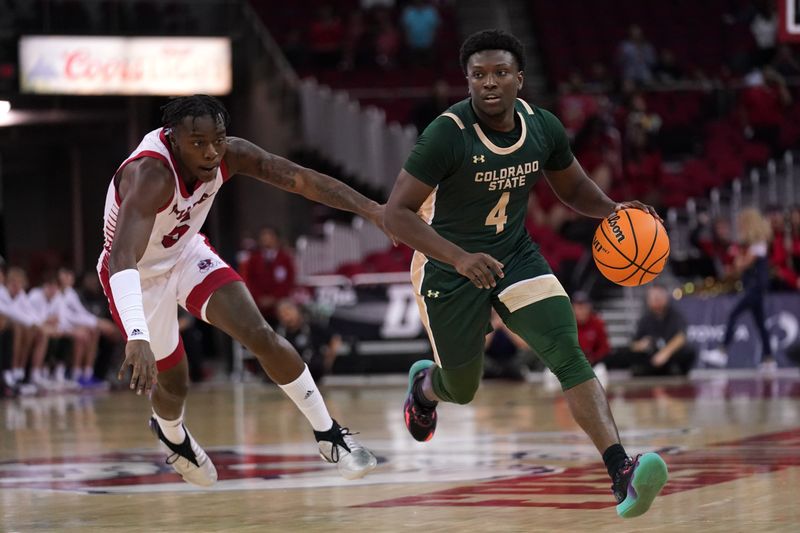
<point x="630" y="247"/>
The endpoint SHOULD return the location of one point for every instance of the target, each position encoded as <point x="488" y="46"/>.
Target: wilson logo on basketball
<point x="612" y="221"/>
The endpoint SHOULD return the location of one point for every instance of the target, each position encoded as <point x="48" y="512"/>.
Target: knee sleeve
<point x="458" y="384"/>
<point x="548" y="326"/>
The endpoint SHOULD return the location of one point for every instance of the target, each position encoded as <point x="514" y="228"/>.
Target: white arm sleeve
<point x="126" y="288"/>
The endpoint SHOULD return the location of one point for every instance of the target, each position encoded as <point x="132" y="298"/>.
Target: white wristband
<point x="126" y="290"/>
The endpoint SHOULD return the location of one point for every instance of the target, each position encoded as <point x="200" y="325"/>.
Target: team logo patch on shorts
<point x="206" y="264"/>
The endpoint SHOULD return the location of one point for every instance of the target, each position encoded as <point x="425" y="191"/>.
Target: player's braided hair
<point x="492" y="40"/>
<point x="197" y="105"/>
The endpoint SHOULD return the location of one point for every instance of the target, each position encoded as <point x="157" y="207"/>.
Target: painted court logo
<point x="453" y="460"/>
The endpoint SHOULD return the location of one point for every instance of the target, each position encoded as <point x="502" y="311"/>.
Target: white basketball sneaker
<point x="187" y="459"/>
<point x="337" y="445"/>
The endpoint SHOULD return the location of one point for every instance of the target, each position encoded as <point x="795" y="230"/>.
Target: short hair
<point x="492" y="40"/>
<point x="197" y="105"/>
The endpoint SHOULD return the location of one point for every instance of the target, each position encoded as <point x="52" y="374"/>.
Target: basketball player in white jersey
<point x="154" y="259"/>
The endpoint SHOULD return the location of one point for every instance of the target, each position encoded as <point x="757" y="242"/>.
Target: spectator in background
<point x="785" y="62"/>
<point x="432" y="106"/>
<point x="420" y="21"/>
<point x="295" y="49"/>
<point x="592" y="334"/>
<point x="112" y="343"/>
<point x="752" y="265"/>
<point x="29" y="340"/>
<point x="636" y="57"/>
<point x="46" y="305"/>
<point x="355" y="49"/>
<point x="641" y="125"/>
<point x="78" y="317"/>
<point x="659" y="346"/>
<point x="269" y="272"/>
<point x="192" y="339"/>
<point x="794" y="223"/>
<point x="598" y="80"/>
<point x="502" y="350"/>
<point x="387" y="39"/>
<point x="325" y="36"/>
<point x="575" y="105"/>
<point x="714" y="242"/>
<point x="667" y="71"/>
<point x="764" y="27"/>
<point x="762" y="107"/>
<point x="783" y="275"/>
<point x="317" y="345"/>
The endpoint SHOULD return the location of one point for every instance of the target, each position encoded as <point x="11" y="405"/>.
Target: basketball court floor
<point x="512" y="461"/>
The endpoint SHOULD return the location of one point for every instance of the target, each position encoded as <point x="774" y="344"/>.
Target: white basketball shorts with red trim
<point x="198" y="272"/>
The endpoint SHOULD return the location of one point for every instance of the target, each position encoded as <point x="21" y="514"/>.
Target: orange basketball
<point x="630" y="247"/>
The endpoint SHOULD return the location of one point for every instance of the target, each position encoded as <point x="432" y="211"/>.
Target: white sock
<point x="172" y="429"/>
<point x="8" y="376"/>
<point x="75" y="375"/>
<point x="59" y="372"/>
<point x="36" y="375"/>
<point x="19" y="374"/>
<point x="88" y="372"/>
<point x="306" y="396"/>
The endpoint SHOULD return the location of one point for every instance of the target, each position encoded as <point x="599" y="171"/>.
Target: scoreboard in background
<point x="789" y="20"/>
<point x="164" y="66"/>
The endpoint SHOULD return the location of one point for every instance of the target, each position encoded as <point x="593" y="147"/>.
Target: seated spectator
<point x="420" y="21"/>
<point x="794" y="223"/>
<point x="667" y="71"/>
<point x="433" y="106"/>
<point x="762" y="106"/>
<point x="659" y="346"/>
<point x="764" y="27"/>
<point x="598" y="79"/>
<point x="782" y="274"/>
<point x="112" y="344"/>
<point x="325" y="37"/>
<point x="503" y="347"/>
<point x="575" y="105"/>
<point x="29" y="339"/>
<point x="641" y="125"/>
<point x="785" y="62"/>
<point x="715" y="246"/>
<point x="269" y="272"/>
<point x="636" y="58"/>
<point x="386" y="39"/>
<point x="317" y="346"/>
<point x="78" y="318"/>
<point x="592" y="334"/>
<point x="355" y="49"/>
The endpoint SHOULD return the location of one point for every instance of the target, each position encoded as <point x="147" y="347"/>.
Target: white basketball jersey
<point x="176" y="222"/>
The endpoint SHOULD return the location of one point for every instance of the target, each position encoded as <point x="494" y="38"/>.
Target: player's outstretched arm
<point x="402" y="220"/>
<point x="144" y="187"/>
<point x="577" y="190"/>
<point x="244" y="157"/>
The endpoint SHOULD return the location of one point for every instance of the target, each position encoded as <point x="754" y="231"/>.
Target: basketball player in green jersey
<point x="460" y="201"/>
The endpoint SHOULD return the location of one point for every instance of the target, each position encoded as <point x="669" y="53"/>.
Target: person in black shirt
<point x="659" y="346"/>
<point x="316" y="344"/>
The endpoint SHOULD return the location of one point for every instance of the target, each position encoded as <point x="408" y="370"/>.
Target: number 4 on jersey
<point x="497" y="216"/>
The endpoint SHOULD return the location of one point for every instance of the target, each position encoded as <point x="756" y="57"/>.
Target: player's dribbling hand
<point x="636" y="204"/>
<point x="144" y="374"/>
<point x="480" y="269"/>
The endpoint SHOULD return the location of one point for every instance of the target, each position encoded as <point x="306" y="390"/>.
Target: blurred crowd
<point x="54" y="337"/>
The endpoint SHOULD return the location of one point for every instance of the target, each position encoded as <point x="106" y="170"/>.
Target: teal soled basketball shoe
<point x="420" y="418"/>
<point x="637" y="483"/>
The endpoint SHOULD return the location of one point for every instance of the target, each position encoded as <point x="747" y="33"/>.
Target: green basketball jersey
<point x="482" y="177"/>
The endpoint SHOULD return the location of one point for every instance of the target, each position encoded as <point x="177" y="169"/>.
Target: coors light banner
<point x="125" y="65"/>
